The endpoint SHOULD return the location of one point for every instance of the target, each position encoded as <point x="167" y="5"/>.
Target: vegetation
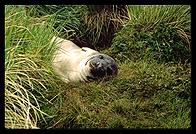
<point x="27" y="67"/>
<point x="101" y="22"/>
<point x="163" y="34"/>
<point x="153" y="52"/>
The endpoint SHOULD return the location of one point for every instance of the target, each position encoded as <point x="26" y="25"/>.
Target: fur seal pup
<point x="73" y="63"/>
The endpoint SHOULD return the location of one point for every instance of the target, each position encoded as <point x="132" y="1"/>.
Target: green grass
<point x="177" y="16"/>
<point x="67" y="17"/>
<point x="27" y="67"/>
<point x="98" y="23"/>
<point x="145" y="94"/>
<point x="157" y="35"/>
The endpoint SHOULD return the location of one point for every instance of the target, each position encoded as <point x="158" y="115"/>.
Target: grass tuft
<point x="176" y="16"/>
<point x="27" y="67"/>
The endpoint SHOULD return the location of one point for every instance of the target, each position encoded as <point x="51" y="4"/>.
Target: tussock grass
<point x="27" y="67"/>
<point x="84" y="21"/>
<point x="176" y="16"/>
<point x="102" y="20"/>
<point x="99" y="22"/>
<point x="67" y="17"/>
<point x="155" y="31"/>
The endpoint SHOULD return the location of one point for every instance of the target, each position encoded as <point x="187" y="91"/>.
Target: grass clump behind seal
<point x="163" y="35"/>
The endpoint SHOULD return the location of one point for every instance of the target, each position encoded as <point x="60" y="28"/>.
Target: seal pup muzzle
<point x="73" y="63"/>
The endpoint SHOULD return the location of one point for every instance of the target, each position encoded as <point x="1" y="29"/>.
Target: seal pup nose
<point x="109" y="71"/>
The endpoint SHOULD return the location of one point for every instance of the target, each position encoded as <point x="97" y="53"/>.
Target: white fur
<point x="69" y="60"/>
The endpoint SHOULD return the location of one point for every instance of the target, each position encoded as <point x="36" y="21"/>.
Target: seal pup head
<point x="101" y="65"/>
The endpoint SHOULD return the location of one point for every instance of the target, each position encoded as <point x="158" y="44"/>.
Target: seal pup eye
<point x="101" y="57"/>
